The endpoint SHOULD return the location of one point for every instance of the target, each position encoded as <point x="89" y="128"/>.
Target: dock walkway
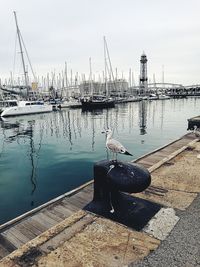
<point x="26" y="227"/>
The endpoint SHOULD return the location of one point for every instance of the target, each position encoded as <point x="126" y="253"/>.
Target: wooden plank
<point x="3" y="252"/>
<point x="144" y="161"/>
<point x="13" y="237"/>
<point x="86" y="193"/>
<point x="44" y="220"/>
<point x="88" y="188"/>
<point x="25" y="231"/>
<point x="19" y="235"/>
<point x="145" y="166"/>
<point x="6" y="244"/>
<point x="52" y="215"/>
<point x="40" y="227"/>
<point x="180" y="143"/>
<point x="13" y="240"/>
<point x="75" y="202"/>
<point x="82" y="195"/>
<point x="161" y="153"/>
<point x="69" y="206"/>
<point x="78" y="202"/>
<point x="63" y="210"/>
<point x="57" y="213"/>
<point x="154" y="158"/>
<point x="48" y="221"/>
<point x="83" y="199"/>
<point x="31" y="227"/>
<point x="168" y="150"/>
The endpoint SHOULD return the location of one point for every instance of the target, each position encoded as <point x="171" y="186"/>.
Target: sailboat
<point x="98" y="101"/>
<point x="22" y="107"/>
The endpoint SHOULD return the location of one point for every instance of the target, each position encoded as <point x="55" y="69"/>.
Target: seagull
<point x="196" y="131"/>
<point x="114" y="145"/>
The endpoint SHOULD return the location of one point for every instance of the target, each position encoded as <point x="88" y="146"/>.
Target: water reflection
<point x="143" y="117"/>
<point x="32" y="154"/>
<point x="16" y="130"/>
<point x="162" y="113"/>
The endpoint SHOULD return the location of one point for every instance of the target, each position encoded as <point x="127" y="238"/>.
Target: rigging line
<point x="15" y="51"/>
<point x="28" y="57"/>
<point x="108" y="55"/>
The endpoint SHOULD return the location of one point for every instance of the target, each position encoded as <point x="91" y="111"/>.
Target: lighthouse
<point x="143" y="74"/>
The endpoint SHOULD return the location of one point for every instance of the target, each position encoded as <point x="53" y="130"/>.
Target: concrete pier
<point x="60" y="233"/>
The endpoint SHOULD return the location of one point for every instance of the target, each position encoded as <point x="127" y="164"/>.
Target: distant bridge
<point x="165" y="84"/>
<point x="172" y="86"/>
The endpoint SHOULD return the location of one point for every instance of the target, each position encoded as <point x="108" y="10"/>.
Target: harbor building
<point x="118" y="87"/>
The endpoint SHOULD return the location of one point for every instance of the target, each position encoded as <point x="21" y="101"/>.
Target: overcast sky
<point x="55" y="31"/>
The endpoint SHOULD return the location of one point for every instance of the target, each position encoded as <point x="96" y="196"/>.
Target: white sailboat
<point x="22" y="107"/>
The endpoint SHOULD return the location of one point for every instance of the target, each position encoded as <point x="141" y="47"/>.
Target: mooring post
<point x="112" y="181"/>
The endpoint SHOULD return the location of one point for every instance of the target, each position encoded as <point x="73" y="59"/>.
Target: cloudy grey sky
<point x="56" y="31"/>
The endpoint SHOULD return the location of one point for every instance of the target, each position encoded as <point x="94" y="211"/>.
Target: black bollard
<point x="111" y="179"/>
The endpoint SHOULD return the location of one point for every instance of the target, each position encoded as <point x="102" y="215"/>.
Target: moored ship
<point x="96" y="102"/>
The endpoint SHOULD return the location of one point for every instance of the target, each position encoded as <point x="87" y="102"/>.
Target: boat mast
<point x="108" y="68"/>
<point x="91" y="82"/>
<point x="66" y="82"/>
<point x="21" y="51"/>
<point x="105" y="62"/>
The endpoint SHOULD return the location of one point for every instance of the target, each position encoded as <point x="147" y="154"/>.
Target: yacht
<point x="20" y="107"/>
<point x="96" y="102"/>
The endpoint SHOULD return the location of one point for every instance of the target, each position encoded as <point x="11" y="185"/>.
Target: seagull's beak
<point x="103" y="131"/>
<point x="127" y="153"/>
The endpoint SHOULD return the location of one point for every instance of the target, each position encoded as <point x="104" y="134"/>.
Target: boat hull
<point x="16" y="111"/>
<point x="90" y="105"/>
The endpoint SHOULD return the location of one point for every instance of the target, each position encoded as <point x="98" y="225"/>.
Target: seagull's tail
<point x="127" y="153"/>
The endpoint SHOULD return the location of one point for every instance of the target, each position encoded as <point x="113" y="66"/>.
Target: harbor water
<point x="45" y="155"/>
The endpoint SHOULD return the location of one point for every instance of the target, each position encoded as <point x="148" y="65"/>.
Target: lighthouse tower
<point x="143" y="74"/>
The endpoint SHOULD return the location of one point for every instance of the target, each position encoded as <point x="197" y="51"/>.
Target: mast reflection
<point x="21" y="130"/>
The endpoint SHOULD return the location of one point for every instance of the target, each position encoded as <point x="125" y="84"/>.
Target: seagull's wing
<point x="116" y="147"/>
